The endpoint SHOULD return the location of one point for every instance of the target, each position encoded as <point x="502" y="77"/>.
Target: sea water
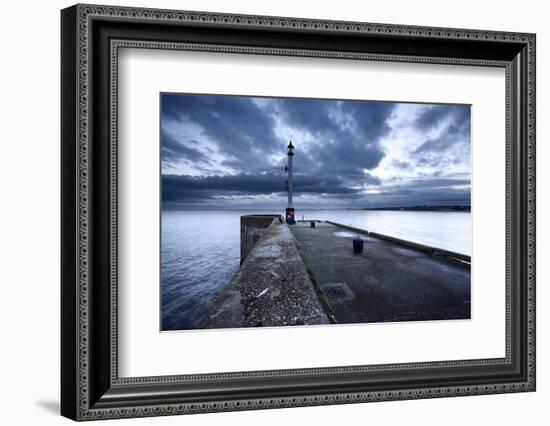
<point x="200" y="249"/>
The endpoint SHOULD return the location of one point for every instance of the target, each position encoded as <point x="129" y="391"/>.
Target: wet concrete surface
<point x="387" y="282"/>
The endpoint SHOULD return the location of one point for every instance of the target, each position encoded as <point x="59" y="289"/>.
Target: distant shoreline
<point x="423" y="208"/>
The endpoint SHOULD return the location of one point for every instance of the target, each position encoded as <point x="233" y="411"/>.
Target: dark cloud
<point x="347" y="156"/>
<point x="312" y="115"/>
<point x="348" y="132"/>
<point x="370" y="118"/>
<point x="452" y="145"/>
<point x="174" y="150"/>
<point x="237" y="125"/>
<point x="455" y="133"/>
<point x="346" y="147"/>
<point x="407" y="197"/>
<point x="437" y="183"/>
<point x="201" y="188"/>
<point x="433" y="115"/>
<point x="193" y="190"/>
<point x="440" y="191"/>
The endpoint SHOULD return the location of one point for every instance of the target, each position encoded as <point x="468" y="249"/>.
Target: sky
<point x="229" y="152"/>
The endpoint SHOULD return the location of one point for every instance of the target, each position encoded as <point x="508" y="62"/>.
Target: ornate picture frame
<point x="91" y="37"/>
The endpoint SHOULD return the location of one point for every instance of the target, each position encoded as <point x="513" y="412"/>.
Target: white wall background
<point x="29" y="212"/>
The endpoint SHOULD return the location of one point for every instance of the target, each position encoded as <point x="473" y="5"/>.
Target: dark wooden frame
<point x="90" y="386"/>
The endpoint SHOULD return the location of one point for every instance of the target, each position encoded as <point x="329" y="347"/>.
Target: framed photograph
<point x="263" y="212"/>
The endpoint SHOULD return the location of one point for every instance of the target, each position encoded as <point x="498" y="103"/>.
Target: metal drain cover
<point x="337" y="291"/>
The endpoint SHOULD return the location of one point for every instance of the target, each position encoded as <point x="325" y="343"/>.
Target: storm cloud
<point x="450" y="145"/>
<point x="230" y="152"/>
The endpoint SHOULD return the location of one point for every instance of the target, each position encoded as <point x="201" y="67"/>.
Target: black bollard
<point x="312" y="224"/>
<point x="357" y="245"/>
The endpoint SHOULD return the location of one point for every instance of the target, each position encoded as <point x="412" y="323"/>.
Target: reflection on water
<point x="201" y="249"/>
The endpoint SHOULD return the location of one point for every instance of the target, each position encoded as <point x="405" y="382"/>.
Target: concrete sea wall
<point x="252" y="228"/>
<point x="272" y="287"/>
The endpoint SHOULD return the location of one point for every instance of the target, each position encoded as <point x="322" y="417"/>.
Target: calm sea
<point x="201" y="249"/>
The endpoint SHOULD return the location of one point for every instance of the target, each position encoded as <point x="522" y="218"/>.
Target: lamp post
<point x="290" y="208"/>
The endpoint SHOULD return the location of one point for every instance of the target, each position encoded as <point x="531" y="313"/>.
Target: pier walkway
<point x="387" y="282"/>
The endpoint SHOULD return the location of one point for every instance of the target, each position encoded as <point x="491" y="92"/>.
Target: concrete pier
<point x="389" y="281"/>
<point x="299" y="274"/>
<point x="272" y="287"/>
<point x="252" y="229"/>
